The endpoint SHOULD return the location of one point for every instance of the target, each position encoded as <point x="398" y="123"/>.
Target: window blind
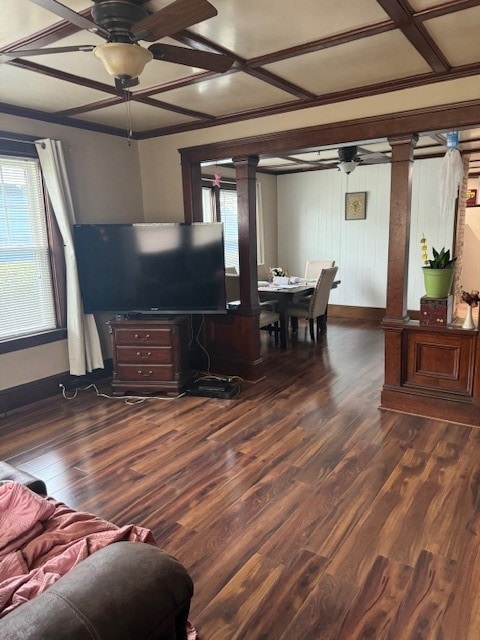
<point x="27" y="304"/>
<point x="208" y="205"/>
<point x="229" y="217"/>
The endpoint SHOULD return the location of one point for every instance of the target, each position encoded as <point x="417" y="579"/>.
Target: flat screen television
<point x="151" y="268"/>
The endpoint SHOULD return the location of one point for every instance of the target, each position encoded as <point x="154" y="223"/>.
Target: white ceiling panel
<point x="314" y="156"/>
<point x="420" y="5"/>
<point x="270" y="162"/>
<point x="426" y="140"/>
<point x="380" y="58"/>
<point x="226" y="94"/>
<point x="143" y="117"/>
<point x="79" y="63"/>
<point x="279" y="24"/>
<point x="36" y="91"/>
<point x="457" y="34"/>
<point x="158" y="72"/>
<point x="21" y="18"/>
<point x="469" y="134"/>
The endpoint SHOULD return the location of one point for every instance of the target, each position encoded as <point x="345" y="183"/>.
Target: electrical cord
<point x="201" y="345"/>
<point x="132" y="400"/>
<point x="207" y="375"/>
<point x="211" y="376"/>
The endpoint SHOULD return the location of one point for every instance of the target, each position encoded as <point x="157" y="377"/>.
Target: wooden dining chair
<point x="232" y="287"/>
<point x="316" y="308"/>
<point x="268" y="320"/>
<point x="231" y="270"/>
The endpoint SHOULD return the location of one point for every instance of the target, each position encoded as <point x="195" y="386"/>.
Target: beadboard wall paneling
<point x="425" y="220"/>
<point x="312" y="225"/>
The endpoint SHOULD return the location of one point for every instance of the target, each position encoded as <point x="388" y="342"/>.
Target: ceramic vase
<point x="468" y="322"/>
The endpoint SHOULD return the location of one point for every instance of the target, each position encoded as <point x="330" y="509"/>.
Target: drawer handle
<point x="145" y="375"/>
<point x="145" y="337"/>
<point x="144" y="355"/>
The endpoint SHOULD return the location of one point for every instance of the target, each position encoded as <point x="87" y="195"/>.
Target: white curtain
<point x="84" y="351"/>
<point x="450" y="180"/>
<point x="260" y="227"/>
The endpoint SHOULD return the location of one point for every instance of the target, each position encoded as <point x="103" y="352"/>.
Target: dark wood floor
<point x="301" y="510"/>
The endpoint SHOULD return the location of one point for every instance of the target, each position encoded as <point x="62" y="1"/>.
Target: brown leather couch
<point x="125" y="591"/>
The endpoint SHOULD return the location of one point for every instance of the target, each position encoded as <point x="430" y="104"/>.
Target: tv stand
<point x="150" y="354"/>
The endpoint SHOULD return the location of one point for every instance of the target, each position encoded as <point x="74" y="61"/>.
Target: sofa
<point x="126" y="590"/>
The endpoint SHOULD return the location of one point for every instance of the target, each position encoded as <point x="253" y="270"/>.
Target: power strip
<point x="213" y="389"/>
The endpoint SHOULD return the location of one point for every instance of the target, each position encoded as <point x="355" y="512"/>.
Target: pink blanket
<point x="41" y="540"/>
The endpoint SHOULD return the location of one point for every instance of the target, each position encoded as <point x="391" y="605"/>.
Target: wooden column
<point x="247" y="232"/>
<point x="399" y="238"/>
<point x="429" y="370"/>
<point x="232" y="339"/>
<point x="398" y="248"/>
<point x="192" y="191"/>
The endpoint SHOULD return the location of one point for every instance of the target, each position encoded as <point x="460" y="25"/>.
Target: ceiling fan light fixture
<point x="122" y="59"/>
<point x="348" y="167"/>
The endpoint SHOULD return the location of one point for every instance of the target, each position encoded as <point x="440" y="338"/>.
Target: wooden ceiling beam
<point x="441" y="117"/>
<point x="109" y="102"/>
<point x="178" y="84"/>
<point x="34" y="114"/>
<point x="453" y="6"/>
<point x="323" y="43"/>
<point x="361" y="92"/>
<point x="403" y="16"/>
<point x="280" y="83"/>
<point x="62" y="75"/>
<point x="201" y="43"/>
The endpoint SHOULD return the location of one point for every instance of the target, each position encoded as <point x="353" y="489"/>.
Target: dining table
<point x="285" y="295"/>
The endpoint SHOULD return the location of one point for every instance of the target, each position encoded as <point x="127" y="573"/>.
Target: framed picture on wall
<point x="356" y="205"/>
<point x="472" y="198"/>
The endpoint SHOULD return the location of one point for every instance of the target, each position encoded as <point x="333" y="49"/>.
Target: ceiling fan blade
<point x="374" y="158"/>
<point x="5" y="56"/>
<point x="172" y="19"/>
<point x="191" y="57"/>
<point x="75" y="18"/>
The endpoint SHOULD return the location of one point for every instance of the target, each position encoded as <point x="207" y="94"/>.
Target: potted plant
<point x="437" y="273"/>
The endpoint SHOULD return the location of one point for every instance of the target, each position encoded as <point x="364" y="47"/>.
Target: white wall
<point x="270" y="225"/>
<point x="426" y="220"/>
<point x="104" y="175"/>
<point x="470" y="275"/>
<point x="311" y="224"/>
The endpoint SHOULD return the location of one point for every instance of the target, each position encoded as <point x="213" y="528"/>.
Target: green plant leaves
<point x="442" y="259"/>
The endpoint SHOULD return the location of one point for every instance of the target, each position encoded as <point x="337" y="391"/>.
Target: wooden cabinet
<point x="432" y="371"/>
<point x="441" y="361"/>
<point x="150" y="355"/>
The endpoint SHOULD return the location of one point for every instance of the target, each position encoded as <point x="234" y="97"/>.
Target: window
<point x="28" y="294"/>
<point x="224" y="201"/>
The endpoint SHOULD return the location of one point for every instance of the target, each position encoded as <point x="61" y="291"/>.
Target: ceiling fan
<point x="351" y="157"/>
<point x="123" y="23"/>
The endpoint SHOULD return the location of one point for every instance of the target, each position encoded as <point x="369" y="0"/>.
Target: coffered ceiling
<point x="287" y="56"/>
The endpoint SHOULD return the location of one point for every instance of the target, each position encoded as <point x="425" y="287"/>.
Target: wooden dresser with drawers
<point x="150" y="355"/>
